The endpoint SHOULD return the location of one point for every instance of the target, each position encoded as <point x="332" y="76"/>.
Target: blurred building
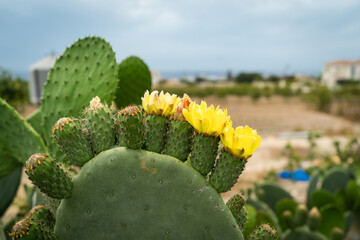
<point x="155" y="77"/>
<point x="38" y="75"/>
<point x="340" y="71"/>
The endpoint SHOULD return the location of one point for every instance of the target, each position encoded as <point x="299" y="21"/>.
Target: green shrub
<point x="13" y="90"/>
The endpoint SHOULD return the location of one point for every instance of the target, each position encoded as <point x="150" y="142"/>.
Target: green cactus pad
<point x="178" y="139"/>
<point x="312" y="187"/>
<point x="42" y="199"/>
<point x="36" y="121"/>
<point x="86" y="69"/>
<point x="236" y="206"/>
<point x="136" y="194"/>
<point x="72" y="141"/>
<point x="261" y="208"/>
<point x="7" y="164"/>
<point x="282" y="206"/>
<point x="337" y="234"/>
<point x="155" y="132"/>
<point x="251" y="220"/>
<point x="130" y="129"/>
<point x="300" y="215"/>
<point x="314" y="219"/>
<point x="331" y="217"/>
<point x="18" y="140"/>
<point x="99" y="125"/>
<point x="47" y="175"/>
<point x="227" y="171"/>
<point x="352" y="195"/>
<point x="8" y="188"/>
<point x="135" y="79"/>
<point x="42" y="213"/>
<point x="321" y="198"/>
<point x="263" y="232"/>
<point x="203" y="152"/>
<point x="288" y="219"/>
<point x="335" y="179"/>
<point x="302" y="233"/>
<point x="271" y="194"/>
<point x="38" y="224"/>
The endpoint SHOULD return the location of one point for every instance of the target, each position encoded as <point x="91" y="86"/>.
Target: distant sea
<point x="192" y="74"/>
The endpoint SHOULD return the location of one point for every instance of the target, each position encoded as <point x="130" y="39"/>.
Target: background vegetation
<point x="13" y="89"/>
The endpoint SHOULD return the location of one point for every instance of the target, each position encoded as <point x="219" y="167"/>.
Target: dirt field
<point x="278" y="114"/>
<point x="270" y="117"/>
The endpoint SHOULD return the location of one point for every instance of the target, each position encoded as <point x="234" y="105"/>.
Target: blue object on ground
<point x="285" y="175"/>
<point x="300" y="175"/>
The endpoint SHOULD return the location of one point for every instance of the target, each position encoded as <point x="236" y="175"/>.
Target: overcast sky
<point x="297" y="36"/>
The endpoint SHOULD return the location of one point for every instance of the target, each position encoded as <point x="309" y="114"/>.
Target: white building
<point x="341" y="70"/>
<point x="38" y="75"/>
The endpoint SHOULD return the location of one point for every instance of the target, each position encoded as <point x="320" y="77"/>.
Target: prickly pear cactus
<point x="135" y="193"/>
<point x="134" y="79"/>
<point x="18" y="140"/>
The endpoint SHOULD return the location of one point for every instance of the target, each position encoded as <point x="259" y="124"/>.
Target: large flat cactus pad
<point x="136" y="194"/>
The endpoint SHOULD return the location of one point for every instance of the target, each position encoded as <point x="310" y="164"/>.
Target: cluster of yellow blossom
<point x="207" y="120"/>
<point x="242" y="141"/>
<point x="163" y="104"/>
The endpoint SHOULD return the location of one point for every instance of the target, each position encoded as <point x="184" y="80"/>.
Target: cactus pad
<point x="18" y="139"/>
<point x="86" y="69"/>
<point x="135" y="79"/>
<point x="72" y="141"/>
<point x="178" y="139"/>
<point x="263" y="232"/>
<point x="8" y="188"/>
<point x="130" y="130"/>
<point x="227" y="171"/>
<point x="149" y="196"/>
<point x="155" y="132"/>
<point x="236" y="205"/>
<point x="48" y="176"/>
<point x="271" y="194"/>
<point x="203" y="152"/>
<point x="38" y="224"/>
<point x="99" y="125"/>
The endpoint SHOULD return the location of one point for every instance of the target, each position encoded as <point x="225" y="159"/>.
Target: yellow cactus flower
<point x="163" y="104"/>
<point x="241" y="142"/>
<point x="185" y="103"/>
<point x="207" y="120"/>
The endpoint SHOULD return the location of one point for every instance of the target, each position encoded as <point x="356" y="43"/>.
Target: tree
<point x="248" y="77"/>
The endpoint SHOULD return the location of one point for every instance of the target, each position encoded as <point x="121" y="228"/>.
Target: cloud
<point x="185" y="33"/>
